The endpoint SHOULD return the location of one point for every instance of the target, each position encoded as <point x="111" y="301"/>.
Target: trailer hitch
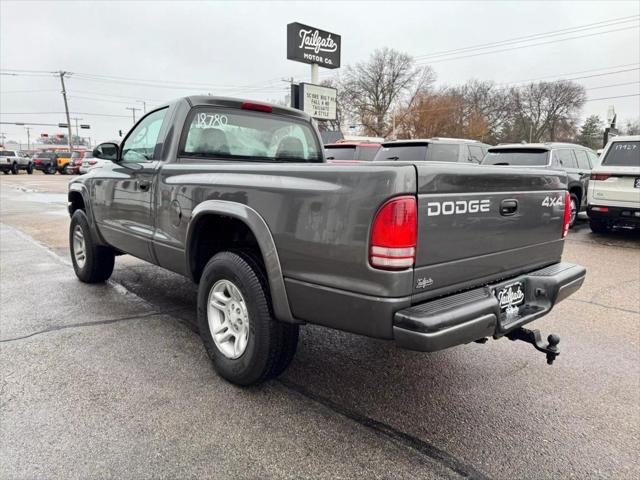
<point x="535" y="338"/>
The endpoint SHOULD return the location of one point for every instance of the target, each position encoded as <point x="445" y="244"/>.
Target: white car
<point x="13" y="161"/>
<point x="614" y="187"/>
<point x="89" y="162"/>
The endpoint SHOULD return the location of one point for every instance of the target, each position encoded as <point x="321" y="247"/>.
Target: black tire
<point x="65" y="170"/>
<point x="99" y="260"/>
<point x="15" y="169"/>
<point x="6" y="172"/>
<point x="30" y="169"/>
<point x="574" y="201"/>
<point x="598" y="226"/>
<point x="52" y="169"/>
<point x="266" y="353"/>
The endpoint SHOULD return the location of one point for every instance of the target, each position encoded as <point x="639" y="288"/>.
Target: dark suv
<point x="576" y="160"/>
<point x="434" y="150"/>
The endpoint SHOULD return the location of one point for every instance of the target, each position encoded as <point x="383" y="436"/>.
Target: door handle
<point x="144" y="185"/>
<point x="508" y="207"/>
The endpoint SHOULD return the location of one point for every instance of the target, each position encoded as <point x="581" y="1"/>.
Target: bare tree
<point x="388" y="80"/>
<point x="540" y="111"/>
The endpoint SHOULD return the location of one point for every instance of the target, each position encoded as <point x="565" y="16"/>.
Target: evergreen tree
<point x="591" y="132"/>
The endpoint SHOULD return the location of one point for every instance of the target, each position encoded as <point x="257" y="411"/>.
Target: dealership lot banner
<point x="311" y="45"/>
<point x="319" y="102"/>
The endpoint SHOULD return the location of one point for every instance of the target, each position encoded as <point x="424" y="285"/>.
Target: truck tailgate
<point x="478" y="224"/>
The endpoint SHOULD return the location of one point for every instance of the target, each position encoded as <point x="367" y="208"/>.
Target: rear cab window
<point x="623" y="154"/>
<point x="531" y="157"/>
<point x="7" y="153"/>
<point x="476" y="153"/>
<point x="402" y="152"/>
<point x="340" y="153"/>
<point x="244" y="135"/>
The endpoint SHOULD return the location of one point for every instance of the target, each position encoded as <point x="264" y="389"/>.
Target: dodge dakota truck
<point x="237" y="196"/>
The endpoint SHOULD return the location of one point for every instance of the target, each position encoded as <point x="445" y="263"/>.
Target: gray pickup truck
<point x="237" y="196"/>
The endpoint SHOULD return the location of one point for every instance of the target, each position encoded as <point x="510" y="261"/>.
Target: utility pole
<point x="28" y="129"/>
<point x="66" y="108"/>
<point x="133" y="111"/>
<point x="76" y="119"/>
<point x="144" y="106"/>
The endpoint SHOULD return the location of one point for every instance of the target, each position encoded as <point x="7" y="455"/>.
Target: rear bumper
<point x="475" y="314"/>
<point x="615" y="215"/>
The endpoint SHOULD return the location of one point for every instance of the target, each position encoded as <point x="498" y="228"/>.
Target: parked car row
<point x="14" y="161"/>
<point x="49" y="163"/>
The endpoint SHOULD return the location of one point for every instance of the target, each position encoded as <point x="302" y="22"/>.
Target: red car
<point x="351" y="152"/>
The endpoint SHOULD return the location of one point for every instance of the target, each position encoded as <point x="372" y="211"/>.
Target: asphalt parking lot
<point x="111" y="381"/>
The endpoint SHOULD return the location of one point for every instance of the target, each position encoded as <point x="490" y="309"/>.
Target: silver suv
<point x="438" y="149"/>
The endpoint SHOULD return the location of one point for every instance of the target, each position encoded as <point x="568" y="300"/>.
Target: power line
<point x="613" y="85"/>
<point x="528" y="46"/>
<point x="572" y="73"/>
<point x="564" y="31"/>
<point x="611" y="98"/>
<point x="62" y="113"/>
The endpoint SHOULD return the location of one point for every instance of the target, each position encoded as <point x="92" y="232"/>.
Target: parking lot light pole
<point x="66" y="109"/>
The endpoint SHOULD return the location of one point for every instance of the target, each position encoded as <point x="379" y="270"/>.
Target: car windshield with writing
<point x="623" y="154"/>
<point x="532" y="157"/>
<point x="226" y="134"/>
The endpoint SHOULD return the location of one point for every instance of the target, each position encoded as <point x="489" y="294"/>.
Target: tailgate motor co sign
<point x="311" y="45"/>
<point x="317" y="101"/>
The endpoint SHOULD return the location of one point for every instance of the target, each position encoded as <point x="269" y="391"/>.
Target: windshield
<point x="340" y="153"/>
<point x="623" y="154"/>
<point x="517" y="156"/>
<point x="247" y="135"/>
<point x="45" y="155"/>
<point x="402" y="152"/>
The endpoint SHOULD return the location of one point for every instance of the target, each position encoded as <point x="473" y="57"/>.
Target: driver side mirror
<point x="107" y="151"/>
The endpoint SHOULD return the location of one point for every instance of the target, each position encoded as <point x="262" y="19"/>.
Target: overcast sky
<point x="239" y="49"/>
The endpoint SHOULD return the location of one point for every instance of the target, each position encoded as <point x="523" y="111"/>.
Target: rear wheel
<point x="598" y="226"/>
<point x="92" y="263"/>
<point x="574" y="205"/>
<point x="52" y="169"/>
<point x="15" y="169"/>
<point x="246" y="344"/>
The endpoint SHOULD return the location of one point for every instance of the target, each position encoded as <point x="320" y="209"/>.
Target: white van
<point x="614" y="188"/>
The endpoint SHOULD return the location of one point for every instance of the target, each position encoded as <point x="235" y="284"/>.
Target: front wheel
<point x="246" y="344"/>
<point x="92" y="263"/>
<point x="15" y="169"/>
<point x="30" y="169"/>
<point x="52" y="169"/>
<point x="574" y="205"/>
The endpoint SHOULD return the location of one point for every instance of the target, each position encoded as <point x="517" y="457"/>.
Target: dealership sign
<point x="319" y="102"/>
<point x="311" y="45"/>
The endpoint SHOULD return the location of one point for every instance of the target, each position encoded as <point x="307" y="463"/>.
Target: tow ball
<point x="534" y="337"/>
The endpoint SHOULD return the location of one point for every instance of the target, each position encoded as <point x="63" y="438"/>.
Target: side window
<point x="583" y="159"/>
<point x="593" y="159"/>
<point x="475" y="154"/>
<point x="141" y="143"/>
<point x="565" y="158"/>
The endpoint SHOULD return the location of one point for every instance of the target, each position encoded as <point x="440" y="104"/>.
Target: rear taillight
<point x="567" y="214"/>
<point x="600" y="176"/>
<point x="393" y="235"/>
<point x="600" y="209"/>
